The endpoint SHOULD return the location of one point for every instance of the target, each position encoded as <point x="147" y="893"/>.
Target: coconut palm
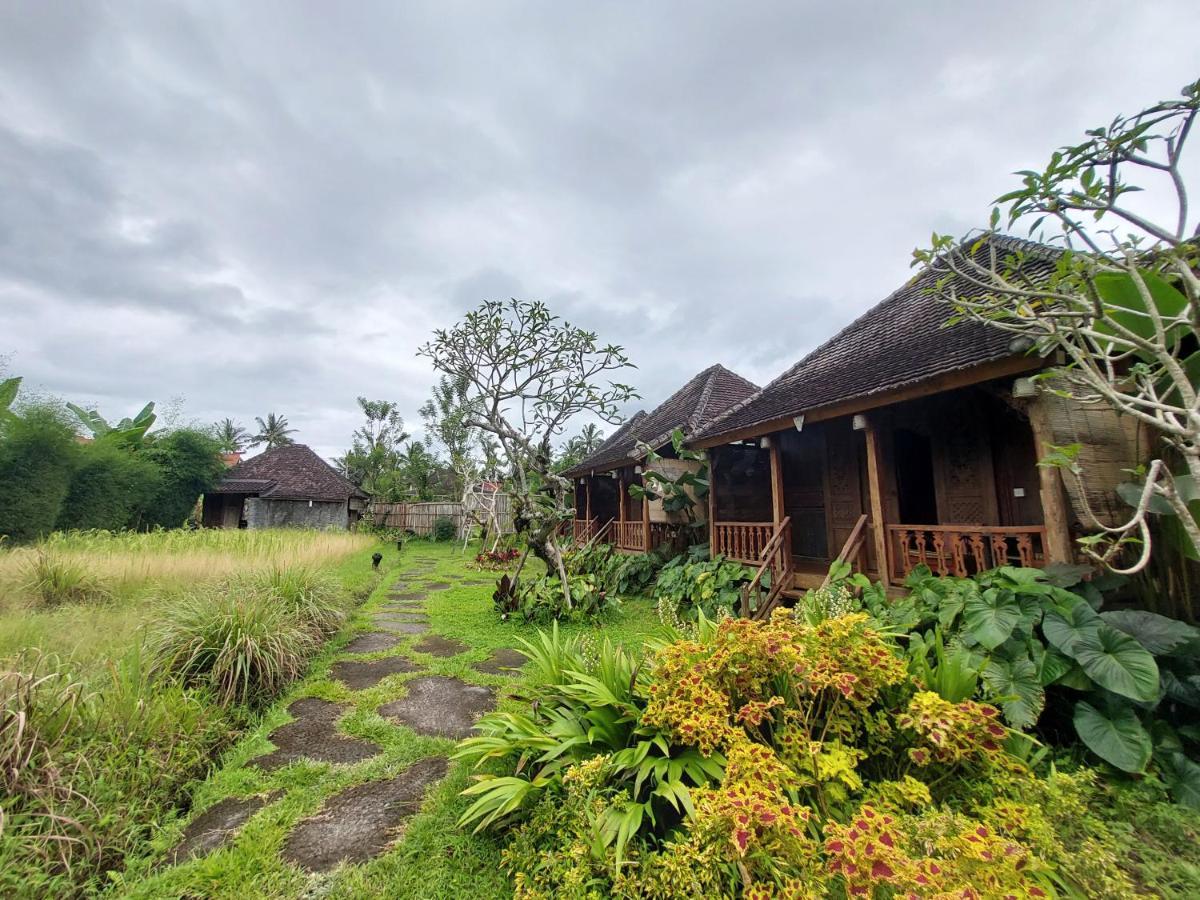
<point x="273" y="432"/>
<point x="233" y="437"/>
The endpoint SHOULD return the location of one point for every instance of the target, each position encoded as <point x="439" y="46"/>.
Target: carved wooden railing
<point x="776" y="559"/>
<point x="661" y="533"/>
<point x="629" y="535"/>
<point x="963" y="550"/>
<point x="742" y="541"/>
<point x="582" y="530"/>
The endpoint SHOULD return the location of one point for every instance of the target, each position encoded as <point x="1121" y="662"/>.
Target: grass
<point x="98" y="746"/>
<point x="435" y="859"/>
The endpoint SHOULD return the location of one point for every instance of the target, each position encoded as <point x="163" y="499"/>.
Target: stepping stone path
<point x="372" y="642"/>
<point x="502" y="662"/>
<point x="436" y="645"/>
<point x="314" y="735"/>
<point x="440" y="706"/>
<point x="359" y="675"/>
<point x="361" y="821"/>
<point x="438" y="585"/>
<point x="216" y="825"/>
<point x="364" y="820"/>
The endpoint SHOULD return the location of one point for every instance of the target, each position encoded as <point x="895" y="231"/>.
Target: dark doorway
<point x="914" y="478"/>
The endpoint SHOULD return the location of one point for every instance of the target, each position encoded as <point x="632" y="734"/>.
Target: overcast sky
<point x="268" y="206"/>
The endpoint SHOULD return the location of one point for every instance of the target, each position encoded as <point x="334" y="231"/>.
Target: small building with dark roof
<point x="903" y="441"/>
<point x="286" y="487"/>
<point x="603" y="479"/>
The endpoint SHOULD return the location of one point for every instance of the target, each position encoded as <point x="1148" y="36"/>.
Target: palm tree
<point x="273" y="432"/>
<point x="233" y="438"/>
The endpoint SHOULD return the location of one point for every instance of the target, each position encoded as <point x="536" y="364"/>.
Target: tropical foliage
<point x="692" y="584"/>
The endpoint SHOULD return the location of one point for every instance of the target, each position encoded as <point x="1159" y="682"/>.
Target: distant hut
<point x="287" y="487"/>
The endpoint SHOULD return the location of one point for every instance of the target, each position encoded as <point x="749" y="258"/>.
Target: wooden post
<point x="587" y="490"/>
<point x="777" y="512"/>
<point x="875" y="489"/>
<point x="622" y="498"/>
<point x="712" y="501"/>
<point x="1057" y="515"/>
<point x="645" y="519"/>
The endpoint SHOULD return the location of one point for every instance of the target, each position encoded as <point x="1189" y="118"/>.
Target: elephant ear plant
<point x="1127" y="680"/>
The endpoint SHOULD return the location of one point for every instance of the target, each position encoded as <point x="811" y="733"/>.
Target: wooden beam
<point x="777" y="512"/>
<point x="712" y="501"/>
<point x="1055" y="511"/>
<point x="645" y="519"/>
<point x="875" y="490"/>
<point x="1012" y="365"/>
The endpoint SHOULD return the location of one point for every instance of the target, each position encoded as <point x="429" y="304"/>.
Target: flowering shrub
<point x="773" y="759"/>
<point x="497" y="559"/>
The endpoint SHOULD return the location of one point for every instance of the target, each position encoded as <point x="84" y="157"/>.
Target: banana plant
<point x="129" y="432"/>
<point x="8" y="394"/>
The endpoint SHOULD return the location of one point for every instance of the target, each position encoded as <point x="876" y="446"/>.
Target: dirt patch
<point x="436" y="705"/>
<point x="216" y="825"/>
<point x="372" y="642"/>
<point x="358" y="675"/>
<point x="502" y="662"/>
<point x="436" y="645"/>
<point x="438" y="585"/>
<point x="361" y="822"/>
<point x="314" y="735"/>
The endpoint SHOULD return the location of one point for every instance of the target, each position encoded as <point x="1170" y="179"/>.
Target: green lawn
<point x="434" y="859"/>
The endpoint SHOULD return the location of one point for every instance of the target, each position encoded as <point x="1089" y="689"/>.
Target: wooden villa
<point x="604" y="507"/>
<point x="900" y="442"/>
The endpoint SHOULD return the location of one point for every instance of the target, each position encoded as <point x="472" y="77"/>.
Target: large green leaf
<point x="1066" y="624"/>
<point x="1116" y="736"/>
<point x="1182" y="776"/>
<point x="1054" y="666"/>
<point x="8" y="392"/>
<point x="1156" y="633"/>
<point x="991" y="616"/>
<point x="1125" y="306"/>
<point x="1117" y="662"/>
<point x="1015" y="685"/>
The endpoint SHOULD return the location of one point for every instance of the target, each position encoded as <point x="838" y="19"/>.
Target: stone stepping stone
<point x="440" y="706"/>
<point x="314" y="736"/>
<point x="372" y="642"/>
<point x="406" y="606"/>
<point x="401" y="614"/>
<point x="360" y="822"/>
<point x="502" y="662"/>
<point x="217" y="825"/>
<point x="408" y="595"/>
<point x="436" y="645"/>
<point x="438" y="585"/>
<point x="401" y="625"/>
<point x="359" y="675"/>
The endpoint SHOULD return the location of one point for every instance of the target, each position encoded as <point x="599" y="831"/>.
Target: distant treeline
<point x="52" y="479"/>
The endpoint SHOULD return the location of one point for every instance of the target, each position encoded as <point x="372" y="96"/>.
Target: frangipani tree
<point x="1121" y="303"/>
<point x="529" y="374"/>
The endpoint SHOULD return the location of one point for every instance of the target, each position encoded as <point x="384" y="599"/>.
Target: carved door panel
<point x="846" y="487"/>
<point x="965" y="478"/>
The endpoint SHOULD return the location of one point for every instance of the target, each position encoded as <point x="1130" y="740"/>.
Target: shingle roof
<point x="901" y="341"/>
<point x="691" y="408"/>
<point x="291" y="472"/>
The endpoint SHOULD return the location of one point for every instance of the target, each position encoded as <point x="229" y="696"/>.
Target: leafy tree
<point x="273" y="431"/>
<point x="419" y="471"/>
<point x="445" y="415"/>
<point x="38" y="453"/>
<point x="190" y="464"/>
<point x="232" y="437"/>
<point x="111" y="489"/>
<point x="580" y="447"/>
<point x="1122" y="303"/>
<point x="529" y="374"/>
<point x="373" y="460"/>
<point x="129" y="432"/>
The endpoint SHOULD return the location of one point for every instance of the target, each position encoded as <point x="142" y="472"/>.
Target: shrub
<point x="190" y="463"/>
<point x="444" y="529"/>
<point x="542" y="600"/>
<point x="38" y="453"/>
<point x="497" y="559"/>
<point x="306" y="594"/>
<point x="109" y="490"/>
<point x="690" y="587"/>
<point x="52" y="580"/>
<point x="624" y="574"/>
<point x="246" y="649"/>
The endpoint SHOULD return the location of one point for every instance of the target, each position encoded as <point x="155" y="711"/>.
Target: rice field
<point x="122" y="578"/>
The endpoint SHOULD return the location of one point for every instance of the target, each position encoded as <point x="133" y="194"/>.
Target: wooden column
<point x="587" y="489"/>
<point x="712" y="501"/>
<point x="875" y="490"/>
<point x="1057" y="514"/>
<point x="622" y="498"/>
<point x="645" y="517"/>
<point x="776" y="481"/>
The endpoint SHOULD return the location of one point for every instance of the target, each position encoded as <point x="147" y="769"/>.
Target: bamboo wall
<point x="419" y="517"/>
